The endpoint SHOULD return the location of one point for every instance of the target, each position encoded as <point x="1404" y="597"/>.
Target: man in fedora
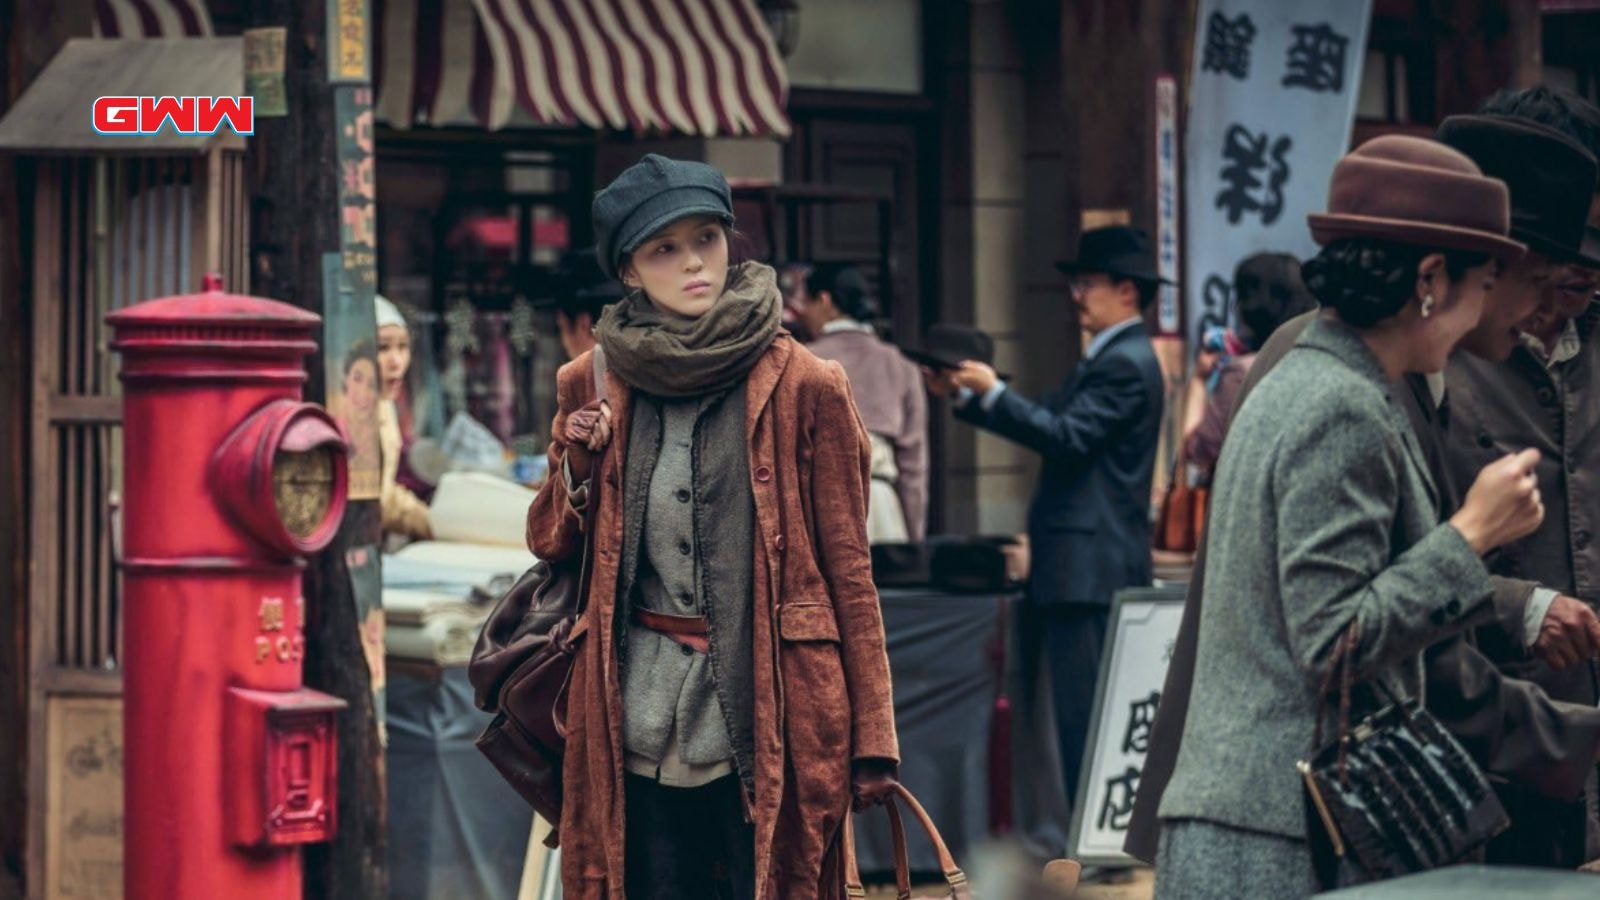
<point x="1543" y="392"/>
<point x="1089" y="522"/>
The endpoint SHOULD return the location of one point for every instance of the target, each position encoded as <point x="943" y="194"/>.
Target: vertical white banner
<point x="1273" y="97"/>
<point x="1168" y="319"/>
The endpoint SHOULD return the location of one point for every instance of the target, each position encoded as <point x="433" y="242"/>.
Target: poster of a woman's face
<point x="354" y="402"/>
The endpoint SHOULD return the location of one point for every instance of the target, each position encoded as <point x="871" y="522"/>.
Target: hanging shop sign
<point x="1272" y="101"/>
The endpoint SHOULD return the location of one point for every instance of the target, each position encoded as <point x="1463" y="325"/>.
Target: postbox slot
<point x="282" y="766"/>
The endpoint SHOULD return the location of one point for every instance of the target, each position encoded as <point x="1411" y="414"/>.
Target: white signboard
<point x="1273" y="97"/>
<point x="1139" y="642"/>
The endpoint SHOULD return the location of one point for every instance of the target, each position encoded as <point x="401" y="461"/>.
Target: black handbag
<point x="1396" y="794"/>
<point x="522" y="664"/>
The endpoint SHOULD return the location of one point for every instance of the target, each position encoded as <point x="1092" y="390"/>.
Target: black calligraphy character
<point x="1216" y="298"/>
<point x="1227" y="47"/>
<point x="1141" y="717"/>
<point x="1316" y="59"/>
<point x="1248" y="161"/>
<point x="1117" y="810"/>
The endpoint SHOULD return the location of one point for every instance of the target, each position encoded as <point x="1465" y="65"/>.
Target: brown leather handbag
<point x="953" y="876"/>
<point x="1183" y="511"/>
<point x="522" y="665"/>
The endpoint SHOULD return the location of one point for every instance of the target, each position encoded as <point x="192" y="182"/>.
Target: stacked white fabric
<point x="437" y="594"/>
<point x="479" y="508"/>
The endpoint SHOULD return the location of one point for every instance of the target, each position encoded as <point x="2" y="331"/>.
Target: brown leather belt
<point x="693" y="632"/>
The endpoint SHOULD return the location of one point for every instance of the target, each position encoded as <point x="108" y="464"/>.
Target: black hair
<point x="1366" y="280"/>
<point x="362" y="349"/>
<point x="1564" y="111"/>
<point x="1148" y="290"/>
<point x="590" y="302"/>
<point x="1268" y="291"/>
<point x="848" y="287"/>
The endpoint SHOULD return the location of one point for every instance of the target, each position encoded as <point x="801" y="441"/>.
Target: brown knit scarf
<point x="670" y="356"/>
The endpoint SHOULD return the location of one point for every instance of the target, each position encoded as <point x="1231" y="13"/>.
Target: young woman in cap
<point x="1323" y="515"/>
<point x="731" y="695"/>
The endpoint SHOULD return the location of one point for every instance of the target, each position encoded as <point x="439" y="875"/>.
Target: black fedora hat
<point x="948" y="346"/>
<point x="1551" y="179"/>
<point x="1119" y="250"/>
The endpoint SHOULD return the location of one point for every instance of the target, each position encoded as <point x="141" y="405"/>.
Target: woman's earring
<point x="1427" y="306"/>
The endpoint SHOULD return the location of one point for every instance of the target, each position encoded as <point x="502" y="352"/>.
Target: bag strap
<point x="599" y="360"/>
<point x="953" y="875"/>
<point x="599" y="356"/>
<point x="1342" y="668"/>
<point x="902" y="859"/>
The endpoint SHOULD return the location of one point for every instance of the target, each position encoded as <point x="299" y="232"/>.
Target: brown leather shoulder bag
<point x="522" y="665"/>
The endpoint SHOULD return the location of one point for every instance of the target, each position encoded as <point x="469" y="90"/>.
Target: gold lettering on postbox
<point x="263" y="649"/>
<point x="271" y="613"/>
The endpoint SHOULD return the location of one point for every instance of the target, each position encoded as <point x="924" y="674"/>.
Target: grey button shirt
<point x="673" y="728"/>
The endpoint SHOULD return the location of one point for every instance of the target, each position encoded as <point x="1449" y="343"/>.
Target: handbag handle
<point x="599" y="360"/>
<point x="1339" y="666"/>
<point x="953" y="876"/>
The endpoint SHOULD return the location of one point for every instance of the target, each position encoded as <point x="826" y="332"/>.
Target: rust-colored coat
<point x="822" y="693"/>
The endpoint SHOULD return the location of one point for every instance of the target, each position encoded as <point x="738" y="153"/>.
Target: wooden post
<point x="1526" y="40"/>
<point x="15" y="370"/>
<point x="295" y="221"/>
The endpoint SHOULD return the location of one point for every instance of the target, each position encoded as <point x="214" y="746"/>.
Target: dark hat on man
<point x="584" y="277"/>
<point x="650" y="195"/>
<point x="579" y="284"/>
<point x="1117" y="250"/>
<point x="1550" y="176"/>
<point x="948" y="346"/>
<point x="1412" y="190"/>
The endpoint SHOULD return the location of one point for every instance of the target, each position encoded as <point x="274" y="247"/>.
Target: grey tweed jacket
<point x="1322" y="513"/>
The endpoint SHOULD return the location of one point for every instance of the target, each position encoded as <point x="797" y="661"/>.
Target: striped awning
<point x="151" y="19"/>
<point x="696" y="67"/>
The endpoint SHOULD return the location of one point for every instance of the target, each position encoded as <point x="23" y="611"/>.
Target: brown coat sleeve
<point x="1510" y="726"/>
<point x="555" y="530"/>
<point x="1511" y="596"/>
<point x="841" y="468"/>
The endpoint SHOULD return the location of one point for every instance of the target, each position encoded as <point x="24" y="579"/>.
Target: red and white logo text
<point x="183" y="115"/>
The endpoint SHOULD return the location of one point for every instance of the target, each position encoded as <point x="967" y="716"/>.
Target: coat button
<point x="683" y="495"/>
<point x="1547" y="395"/>
<point x="687" y="650"/>
<point x="1484" y="440"/>
<point x="684" y="548"/>
<point x="1581" y="540"/>
<point x="686" y="598"/>
<point x="778" y="542"/>
<point x="763" y="473"/>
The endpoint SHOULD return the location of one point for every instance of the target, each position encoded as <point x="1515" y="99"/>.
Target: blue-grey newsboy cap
<point x="652" y="194"/>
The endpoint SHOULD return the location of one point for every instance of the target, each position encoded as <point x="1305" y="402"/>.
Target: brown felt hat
<point x="1416" y="191"/>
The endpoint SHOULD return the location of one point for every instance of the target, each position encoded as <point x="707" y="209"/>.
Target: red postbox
<point x="230" y="481"/>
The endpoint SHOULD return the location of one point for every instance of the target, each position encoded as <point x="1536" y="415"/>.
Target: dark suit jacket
<point x="1511" y="727"/>
<point x="1089" y="524"/>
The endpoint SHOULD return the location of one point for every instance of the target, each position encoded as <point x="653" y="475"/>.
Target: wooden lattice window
<point x="107" y="232"/>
